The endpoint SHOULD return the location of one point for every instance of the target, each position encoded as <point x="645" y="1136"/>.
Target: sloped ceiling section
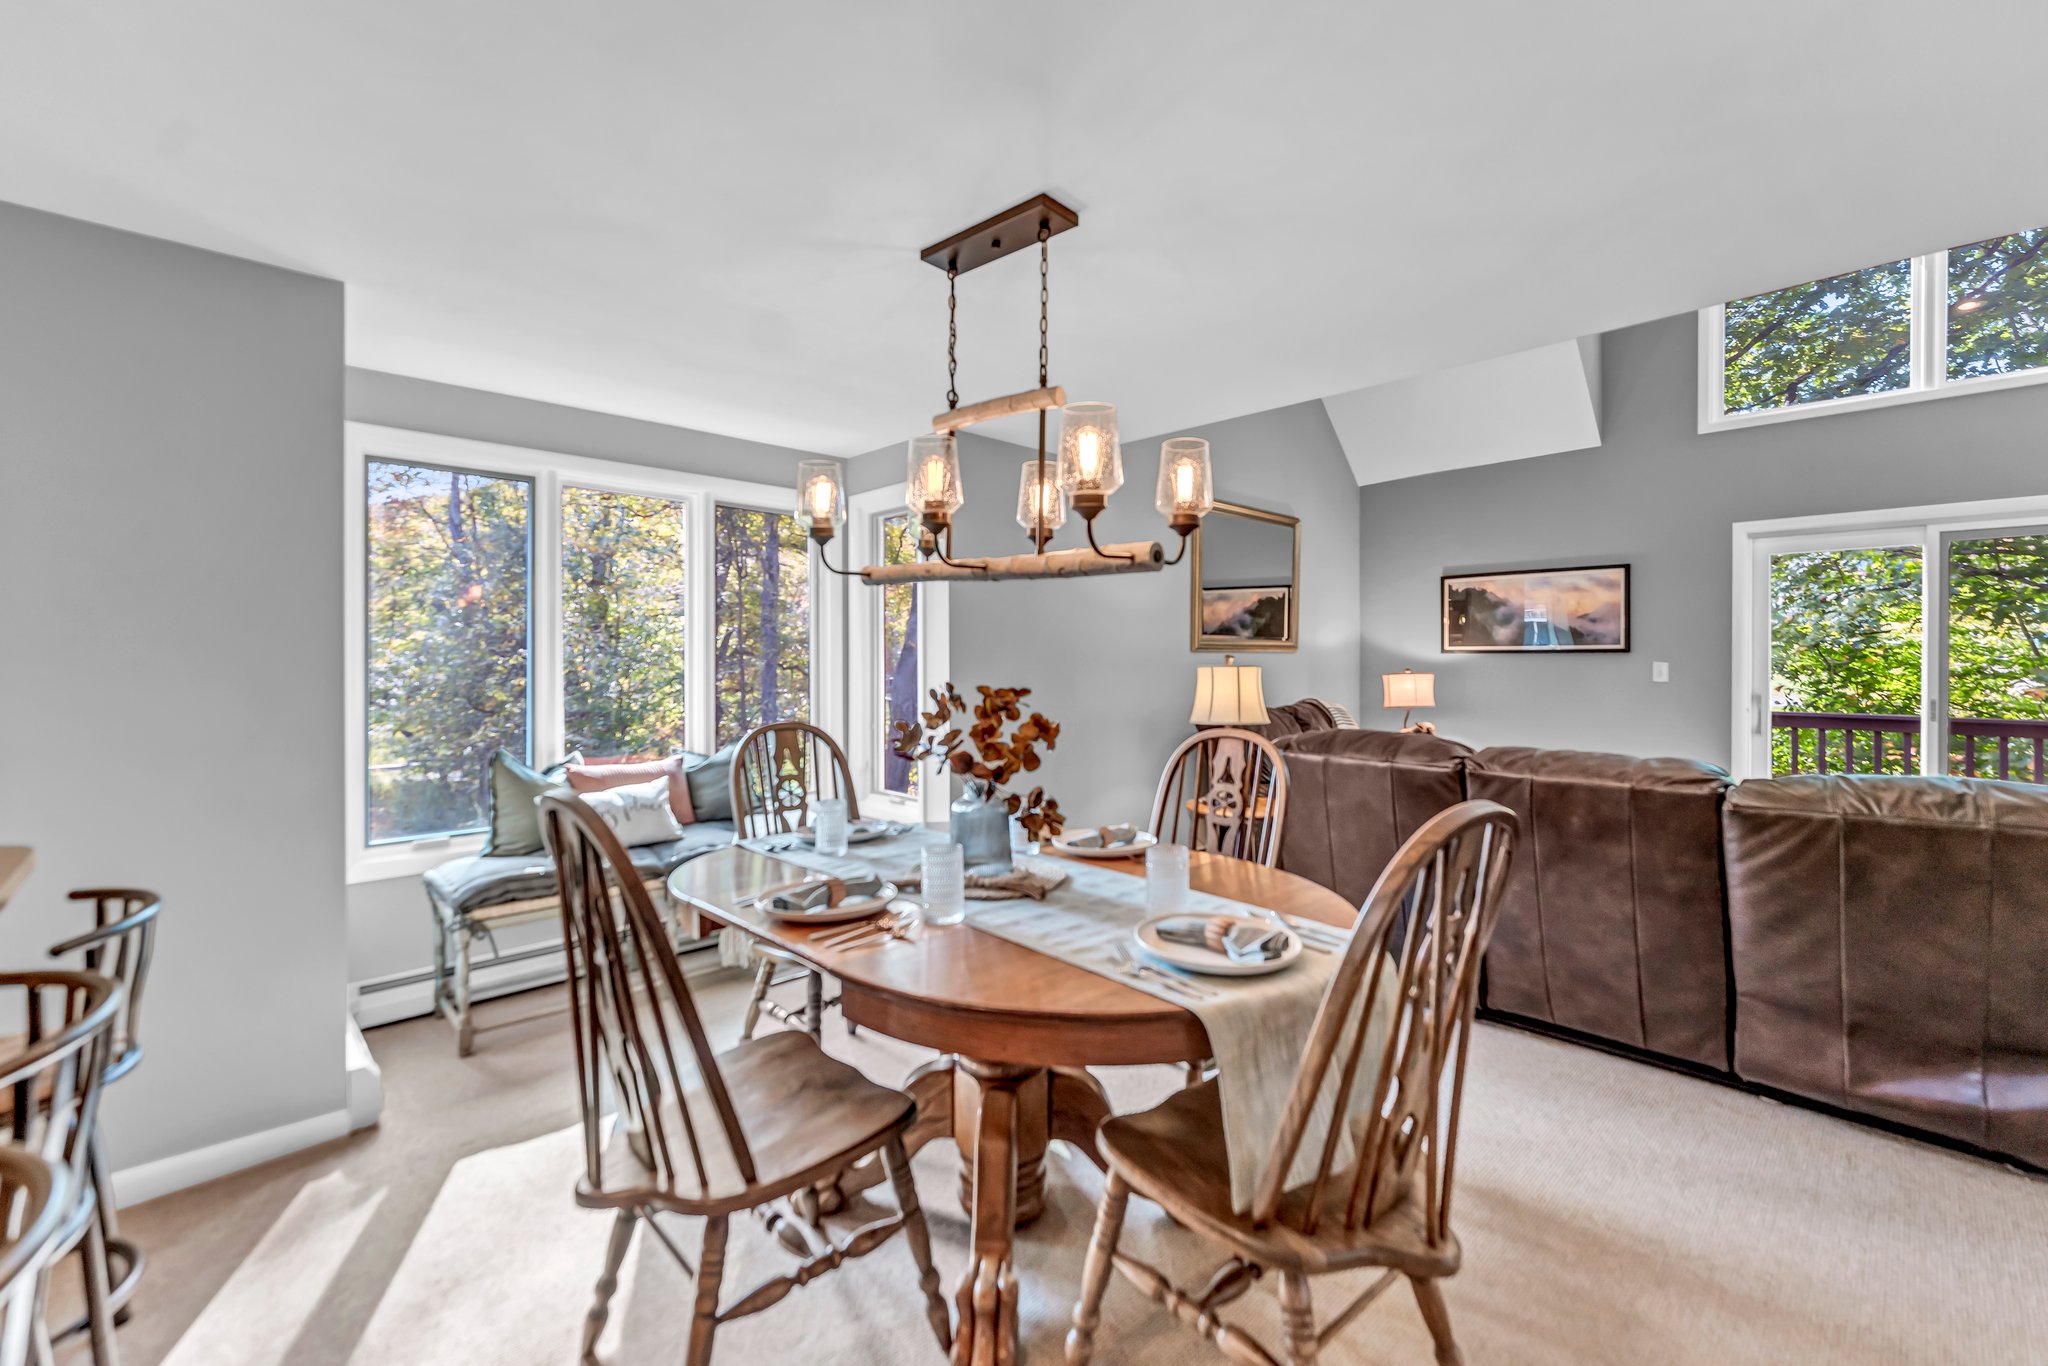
<point x="1535" y="402"/>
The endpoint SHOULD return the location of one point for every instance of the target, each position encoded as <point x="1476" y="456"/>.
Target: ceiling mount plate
<point x="993" y="239"/>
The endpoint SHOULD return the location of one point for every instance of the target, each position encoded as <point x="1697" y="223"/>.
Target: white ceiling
<point x="709" y="214"/>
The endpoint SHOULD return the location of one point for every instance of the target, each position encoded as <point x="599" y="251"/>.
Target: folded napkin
<point x="1024" y="879"/>
<point x="831" y="891"/>
<point x="1105" y="837"/>
<point x="1232" y="939"/>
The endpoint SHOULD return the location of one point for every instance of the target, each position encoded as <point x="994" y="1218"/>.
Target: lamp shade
<point x="933" y="482"/>
<point x="1229" y="694"/>
<point x="1409" y="689"/>
<point x="820" y="495"/>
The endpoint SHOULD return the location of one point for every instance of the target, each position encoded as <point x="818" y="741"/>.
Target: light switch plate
<point x="1660" y="672"/>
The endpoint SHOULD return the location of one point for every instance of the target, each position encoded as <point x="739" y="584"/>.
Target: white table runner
<point x="1258" y="1027"/>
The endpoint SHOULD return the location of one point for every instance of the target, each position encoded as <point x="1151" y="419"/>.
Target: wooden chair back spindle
<point x="34" y="1199"/>
<point x="1224" y="791"/>
<point x="1420" y="938"/>
<point x="634" y="1019"/>
<point x="52" y="1085"/>
<point x="779" y="770"/>
<point x="119" y="946"/>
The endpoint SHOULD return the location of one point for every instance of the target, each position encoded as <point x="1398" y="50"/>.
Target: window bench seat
<point x="474" y="896"/>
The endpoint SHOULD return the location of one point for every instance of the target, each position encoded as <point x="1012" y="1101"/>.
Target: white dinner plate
<point x="1191" y="959"/>
<point x="1144" y="840"/>
<point x="852" y="908"/>
<point x="857" y="832"/>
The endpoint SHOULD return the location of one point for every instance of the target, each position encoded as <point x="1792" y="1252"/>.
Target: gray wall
<point x="388" y="927"/>
<point x="1661" y="496"/>
<point x="170" y="565"/>
<point x="1108" y="658"/>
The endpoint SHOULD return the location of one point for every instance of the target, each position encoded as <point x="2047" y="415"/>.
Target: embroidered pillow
<point x="637" y="813"/>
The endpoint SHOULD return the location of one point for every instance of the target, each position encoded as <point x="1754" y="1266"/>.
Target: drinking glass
<point x="828" y="824"/>
<point x="1166" y="878"/>
<point x="945" y="884"/>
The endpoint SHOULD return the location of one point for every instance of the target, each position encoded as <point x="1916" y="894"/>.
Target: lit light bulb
<point x="1089" y="454"/>
<point x="821" y="499"/>
<point x="934" y="481"/>
<point x="1184" y="484"/>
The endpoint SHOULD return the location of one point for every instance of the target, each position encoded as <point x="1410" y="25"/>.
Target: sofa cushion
<point x="1354" y="796"/>
<point x="461" y="886"/>
<point x="1306" y="717"/>
<point x="1890" y="945"/>
<point x="515" y="824"/>
<point x="602" y="776"/>
<point x="1611" y="922"/>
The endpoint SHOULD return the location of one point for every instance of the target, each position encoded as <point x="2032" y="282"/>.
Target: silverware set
<point x="1314" y="935"/>
<point x="1129" y="966"/>
<point x="869" y="934"/>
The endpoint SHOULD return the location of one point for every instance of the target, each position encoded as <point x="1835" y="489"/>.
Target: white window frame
<point x="1928" y="375"/>
<point x="863" y="546"/>
<point x="1931" y="526"/>
<point x="549" y="472"/>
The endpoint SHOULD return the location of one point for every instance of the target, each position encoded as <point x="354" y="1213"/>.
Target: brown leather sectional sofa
<point x="1877" y="945"/>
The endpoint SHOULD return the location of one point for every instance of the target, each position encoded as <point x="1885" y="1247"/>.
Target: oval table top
<point x="955" y="989"/>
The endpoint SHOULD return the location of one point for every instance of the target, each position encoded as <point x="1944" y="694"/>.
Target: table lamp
<point x="1409" y="690"/>
<point x="1229" y="694"/>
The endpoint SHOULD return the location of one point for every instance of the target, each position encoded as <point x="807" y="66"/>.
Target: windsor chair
<point x="1422" y="934"/>
<point x="1224" y="791"/>
<point x="700" y="1133"/>
<point x="780" y="769"/>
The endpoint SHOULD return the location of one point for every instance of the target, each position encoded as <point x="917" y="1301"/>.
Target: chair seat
<point x="805" y="1116"/>
<point x="1174" y="1155"/>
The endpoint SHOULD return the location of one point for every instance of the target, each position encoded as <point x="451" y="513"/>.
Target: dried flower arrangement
<point x="983" y="755"/>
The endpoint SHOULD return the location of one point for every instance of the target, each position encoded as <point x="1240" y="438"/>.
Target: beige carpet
<point x="1610" y="1212"/>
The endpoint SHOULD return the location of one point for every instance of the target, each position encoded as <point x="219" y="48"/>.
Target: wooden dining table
<point x="1016" y="1030"/>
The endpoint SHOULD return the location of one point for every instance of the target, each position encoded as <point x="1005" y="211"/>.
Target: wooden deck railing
<point x="1847" y="742"/>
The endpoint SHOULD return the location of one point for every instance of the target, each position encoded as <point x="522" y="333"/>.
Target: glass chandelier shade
<point x="1091" y="458"/>
<point x="1185" y="486"/>
<point x="1038" y="502"/>
<point x="820" y="495"/>
<point x="933" y="483"/>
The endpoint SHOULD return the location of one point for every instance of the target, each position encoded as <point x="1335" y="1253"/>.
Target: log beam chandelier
<point x="1084" y="470"/>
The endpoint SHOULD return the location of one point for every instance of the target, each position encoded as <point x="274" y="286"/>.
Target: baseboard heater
<point x="376" y="1005"/>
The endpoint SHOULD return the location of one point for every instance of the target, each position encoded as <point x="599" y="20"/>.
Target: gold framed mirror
<point x="1245" y="581"/>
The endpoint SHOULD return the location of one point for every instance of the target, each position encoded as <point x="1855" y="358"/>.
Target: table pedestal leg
<point x="1002" y="1116"/>
<point x="999" y="1121"/>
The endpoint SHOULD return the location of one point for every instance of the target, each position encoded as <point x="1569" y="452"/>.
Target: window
<point x="1904" y="642"/>
<point x="896" y="655"/>
<point x="1972" y="317"/>
<point x="896" y="652"/>
<point x="507" y="598"/>
<point x="623" y="616"/>
<point x="764" y="615"/>
<point x="448" y="616"/>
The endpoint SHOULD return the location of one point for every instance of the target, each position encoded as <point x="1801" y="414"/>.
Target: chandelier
<point x="1083" y="469"/>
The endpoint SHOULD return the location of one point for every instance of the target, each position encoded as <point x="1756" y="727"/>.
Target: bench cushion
<point x="465" y="885"/>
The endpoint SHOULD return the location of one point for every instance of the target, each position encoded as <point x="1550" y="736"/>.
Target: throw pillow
<point x="598" y="777"/>
<point x="710" y="780"/>
<point x="638" y="814"/>
<point x="515" y="824"/>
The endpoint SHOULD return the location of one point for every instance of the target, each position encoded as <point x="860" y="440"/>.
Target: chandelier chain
<point x="1044" y="297"/>
<point x="952" y="342"/>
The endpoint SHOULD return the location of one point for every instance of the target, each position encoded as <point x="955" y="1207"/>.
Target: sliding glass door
<point x="1919" y="647"/>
